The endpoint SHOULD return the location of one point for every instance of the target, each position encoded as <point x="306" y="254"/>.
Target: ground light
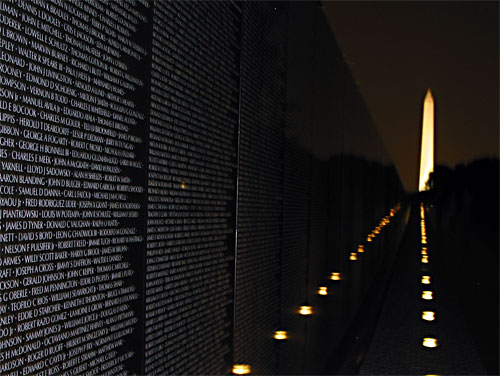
<point x="280" y="335"/>
<point x="322" y="290"/>
<point x="428" y="315"/>
<point x="426" y="280"/>
<point x="335" y="276"/>
<point x="241" y="369"/>
<point x="305" y="310"/>
<point x="429" y="342"/>
<point x="427" y="295"/>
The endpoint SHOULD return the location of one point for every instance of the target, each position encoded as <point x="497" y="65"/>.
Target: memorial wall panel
<point x="260" y="188"/>
<point x="325" y="142"/>
<point x="176" y="179"/>
<point x="191" y="188"/>
<point x="72" y="155"/>
<point x="297" y="184"/>
<point x="335" y="178"/>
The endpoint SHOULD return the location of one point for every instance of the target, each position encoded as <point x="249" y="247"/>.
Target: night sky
<point x="397" y="49"/>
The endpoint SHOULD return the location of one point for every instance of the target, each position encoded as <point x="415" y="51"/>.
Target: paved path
<point x="396" y="348"/>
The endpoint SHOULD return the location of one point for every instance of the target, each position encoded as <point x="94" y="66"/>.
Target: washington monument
<point x="427" y="147"/>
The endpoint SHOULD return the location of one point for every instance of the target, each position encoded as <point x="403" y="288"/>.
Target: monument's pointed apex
<point x="429" y="95"/>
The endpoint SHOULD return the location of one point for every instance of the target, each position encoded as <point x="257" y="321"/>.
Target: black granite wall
<point x="176" y="180"/>
<point x="260" y="185"/>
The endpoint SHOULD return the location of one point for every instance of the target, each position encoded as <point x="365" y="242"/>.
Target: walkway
<point x="397" y="345"/>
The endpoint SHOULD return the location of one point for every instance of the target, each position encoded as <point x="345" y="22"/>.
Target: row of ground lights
<point x="376" y="231"/>
<point x="427" y="294"/>
<point x="305" y="310"/>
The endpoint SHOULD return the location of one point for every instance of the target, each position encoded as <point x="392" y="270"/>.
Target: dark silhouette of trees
<point x="464" y="204"/>
<point x="471" y="189"/>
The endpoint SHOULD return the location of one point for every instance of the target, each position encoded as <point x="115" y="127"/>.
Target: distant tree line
<point x="465" y="211"/>
<point x="468" y="189"/>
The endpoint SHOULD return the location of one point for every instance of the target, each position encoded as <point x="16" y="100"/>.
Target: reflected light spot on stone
<point x="322" y="290"/>
<point x="305" y="310"/>
<point x="241" y="369"/>
<point x="335" y="276"/>
<point x="427" y="295"/>
<point x="429" y="342"/>
<point x="183" y="185"/>
<point x="428" y="315"/>
<point x="280" y="335"/>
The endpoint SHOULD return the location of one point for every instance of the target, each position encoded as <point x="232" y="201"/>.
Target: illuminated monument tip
<point x="427" y="148"/>
<point x="428" y="95"/>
